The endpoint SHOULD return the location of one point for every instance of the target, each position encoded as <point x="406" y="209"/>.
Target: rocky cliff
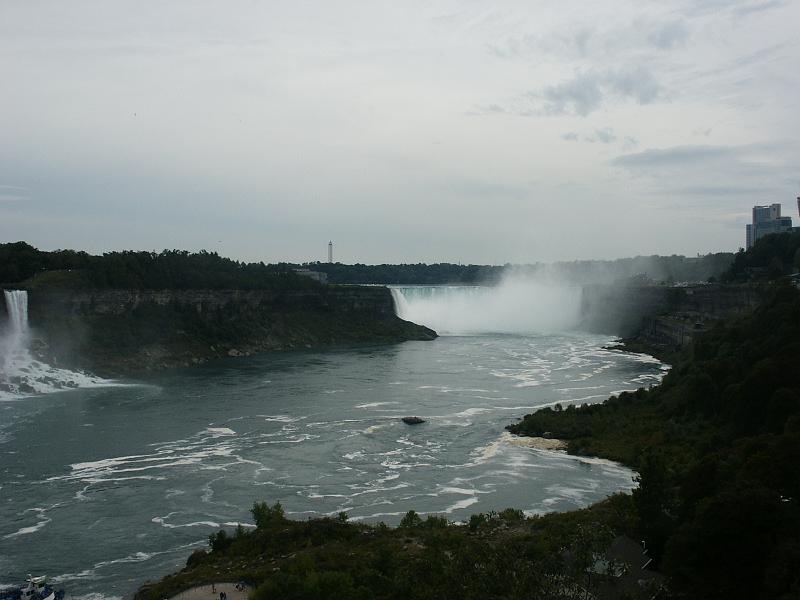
<point x="113" y="332"/>
<point x="621" y="310"/>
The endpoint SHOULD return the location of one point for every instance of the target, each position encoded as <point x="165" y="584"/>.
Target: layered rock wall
<point x="117" y="332"/>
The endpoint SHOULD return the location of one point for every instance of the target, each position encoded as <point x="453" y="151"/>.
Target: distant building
<point x="767" y="220"/>
<point x="330" y="252"/>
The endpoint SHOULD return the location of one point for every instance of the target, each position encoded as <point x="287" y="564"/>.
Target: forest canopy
<point x="170" y="269"/>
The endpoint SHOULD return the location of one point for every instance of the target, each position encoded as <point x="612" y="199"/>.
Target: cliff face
<point x="114" y="332"/>
<point x="621" y="310"/>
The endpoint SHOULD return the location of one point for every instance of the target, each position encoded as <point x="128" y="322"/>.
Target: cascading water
<point x="516" y="306"/>
<point x="20" y="373"/>
<point x="17" y="303"/>
<point x="16" y="339"/>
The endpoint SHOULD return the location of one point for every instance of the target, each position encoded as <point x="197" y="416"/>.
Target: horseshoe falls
<point x="513" y="307"/>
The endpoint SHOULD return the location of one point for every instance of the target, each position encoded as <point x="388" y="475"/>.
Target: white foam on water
<point x="42" y="518"/>
<point x="281" y="418"/>
<point x="461" y="505"/>
<point x="162" y="521"/>
<point x="471" y="412"/>
<point x="374" y="404"/>
<point x="381" y="514"/>
<point x="21" y="375"/>
<point x="92" y="596"/>
<point x="457" y="490"/>
<point x="374" y="428"/>
<point x="485" y="453"/>
<point x="303" y="437"/>
<point x="220" y="431"/>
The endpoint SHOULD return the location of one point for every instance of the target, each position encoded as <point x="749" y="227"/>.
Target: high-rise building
<point x="766" y="220"/>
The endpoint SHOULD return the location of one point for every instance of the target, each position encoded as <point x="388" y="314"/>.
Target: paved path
<point x="203" y="592"/>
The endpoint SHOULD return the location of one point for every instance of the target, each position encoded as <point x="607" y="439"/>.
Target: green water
<point x="104" y="488"/>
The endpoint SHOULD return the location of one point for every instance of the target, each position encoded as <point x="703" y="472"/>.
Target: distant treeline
<point x="21" y="263"/>
<point x="770" y="257"/>
<point x="179" y="269"/>
<point x="668" y="269"/>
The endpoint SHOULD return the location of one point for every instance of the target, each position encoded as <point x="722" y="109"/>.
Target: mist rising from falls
<point x="516" y="305"/>
<point x="21" y="374"/>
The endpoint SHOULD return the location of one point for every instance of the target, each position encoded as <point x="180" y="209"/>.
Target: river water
<point x="103" y="488"/>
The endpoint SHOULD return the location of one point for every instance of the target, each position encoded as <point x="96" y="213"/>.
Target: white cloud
<point x="278" y="126"/>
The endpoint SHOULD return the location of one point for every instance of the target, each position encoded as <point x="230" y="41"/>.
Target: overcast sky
<point x="462" y="131"/>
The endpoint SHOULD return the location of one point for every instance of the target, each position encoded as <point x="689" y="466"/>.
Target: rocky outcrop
<point x="626" y="310"/>
<point x="113" y="332"/>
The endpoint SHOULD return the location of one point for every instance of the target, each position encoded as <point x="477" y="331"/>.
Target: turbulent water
<point x="104" y="488"/>
<point x="20" y="373"/>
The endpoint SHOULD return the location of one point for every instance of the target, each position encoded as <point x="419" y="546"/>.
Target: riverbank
<point x="496" y="555"/>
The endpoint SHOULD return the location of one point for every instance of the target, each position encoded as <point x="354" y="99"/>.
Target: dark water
<point x="105" y="488"/>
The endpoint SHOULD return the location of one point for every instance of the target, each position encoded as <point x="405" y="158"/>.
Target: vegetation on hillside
<point x="717" y="445"/>
<point x="646" y="268"/>
<point x="170" y="269"/>
<point x="495" y="555"/>
<point x="178" y="269"/>
<point x="771" y="257"/>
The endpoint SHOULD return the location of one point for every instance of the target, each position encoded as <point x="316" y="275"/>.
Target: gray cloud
<point x="738" y="8"/>
<point x="669" y="35"/>
<point x="759" y="7"/>
<point x="706" y="175"/>
<point x="588" y="91"/>
<point x="629" y="143"/>
<point x="581" y="95"/>
<point x="637" y="83"/>
<point x="604" y="136"/>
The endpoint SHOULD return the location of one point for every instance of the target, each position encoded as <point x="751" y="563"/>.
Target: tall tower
<point x="330" y="252"/>
<point x="798" y="205"/>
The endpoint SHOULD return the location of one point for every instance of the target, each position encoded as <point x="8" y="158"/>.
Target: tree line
<point x="169" y="269"/>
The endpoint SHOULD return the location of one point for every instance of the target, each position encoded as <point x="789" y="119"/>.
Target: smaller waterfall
<point x="17" y="306"/>
<point x="20" y="373"/>
<point x="15" y="341"/>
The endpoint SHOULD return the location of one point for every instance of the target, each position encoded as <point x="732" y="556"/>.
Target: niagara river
<point x="106" y="486"/>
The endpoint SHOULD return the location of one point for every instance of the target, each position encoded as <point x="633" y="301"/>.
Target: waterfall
<point x="15" y="342"/>
<point x="20" y="373"/>
<point x="17" y="307"/>
<point x="515" y="306"/>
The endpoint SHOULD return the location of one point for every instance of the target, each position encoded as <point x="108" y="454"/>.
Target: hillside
<point x="718" y="448"/>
